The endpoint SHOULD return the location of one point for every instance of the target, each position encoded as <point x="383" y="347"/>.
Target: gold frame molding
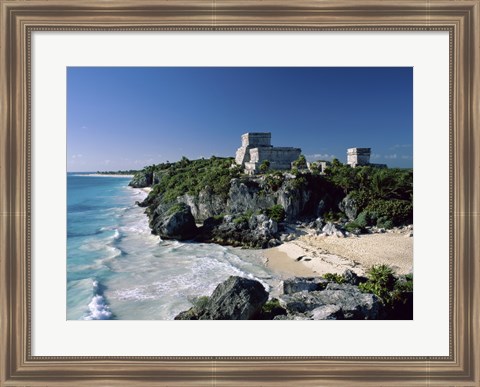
<point x="19" y="18"/>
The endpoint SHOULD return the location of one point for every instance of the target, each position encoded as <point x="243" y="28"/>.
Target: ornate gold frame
<point x="19" y="18"/>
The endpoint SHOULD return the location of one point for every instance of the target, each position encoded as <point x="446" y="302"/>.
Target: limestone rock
<point x="258" y="231"/>
<point x="331" y="230"/>
<point x="351" y="277"/>
<point x="349" y="206"/>
<point x="177" y="222"/>
<point x="354" y="304"/>
<point x="237" y="298"/>
<point x="141" y="179"/>
<point x="327" y="312"/>
<point x="299" y="284"/>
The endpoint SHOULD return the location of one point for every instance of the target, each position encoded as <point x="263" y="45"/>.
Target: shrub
<point x="363" y="219"/>
<point x="399" y="212"/>
<point x="299" y="182"/>
<point x="274" y="180"/>
<point x="300" y="163"/>
<point x="276" y="213"/>
<point x="381" y="282"/>
<point x="384" y="222"/>
<point x="264" y="166"/>
<point x="192" y="176"/>
<point x="331" y="216"/>
<point x="395" y="292"/>
<point x="314" y="168"/>
<point x="353" y="226"/>
<point x="243" y="218"/>
<point x="270" y="305"/>
<point x="339" y="279"/>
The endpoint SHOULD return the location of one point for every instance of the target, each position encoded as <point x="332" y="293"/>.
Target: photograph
<point x="261" y="166"/>
<point x="239" y="193"/>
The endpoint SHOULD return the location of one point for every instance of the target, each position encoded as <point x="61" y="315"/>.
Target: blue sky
<point x="129" y="117"/>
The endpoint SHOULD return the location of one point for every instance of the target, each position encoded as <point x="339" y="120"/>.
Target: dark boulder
<point x="176" y="222"/>
<point x="299" y="284"/>
<point x="256" y="231"/>
<point x="350" y="277"/>
<point x="237" y="298"/>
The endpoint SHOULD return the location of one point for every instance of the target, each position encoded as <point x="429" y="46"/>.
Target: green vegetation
<point x="339" y="279"/>
<point x="299" y="182"/>
<point x="125" y="172"/>
<point x="315" y="168"/>
<point x="191" y="176"/>
<point x="177" y="207"/>
<point x="264" y="166"/>
<point x="270" y="305"/>
<point x="383" y="196"/>
<point x="274" y="180"/>
<point x="353" y="226"/>
<point x="243" y="218"/>
<point x="276" y="212"/>
<point x="332" y="216"/>
<point x="201" y="302"/>
<point x="383" y="283"/>
<point x="300" y="163"/>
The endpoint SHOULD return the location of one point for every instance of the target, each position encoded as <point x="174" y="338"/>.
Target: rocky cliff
<point x="242" y="216"/>
<point x="225" y="205"/>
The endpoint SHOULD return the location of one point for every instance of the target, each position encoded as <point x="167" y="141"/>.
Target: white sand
<point x="316" y="255"/>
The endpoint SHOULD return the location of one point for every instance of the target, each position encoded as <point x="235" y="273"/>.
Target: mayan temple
<point x="257" y="147"/>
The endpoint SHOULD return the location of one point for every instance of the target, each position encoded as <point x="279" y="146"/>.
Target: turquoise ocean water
<point x="116" y="269"/>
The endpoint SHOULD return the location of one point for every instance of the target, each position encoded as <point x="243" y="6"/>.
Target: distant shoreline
<point x="100" y="175"/>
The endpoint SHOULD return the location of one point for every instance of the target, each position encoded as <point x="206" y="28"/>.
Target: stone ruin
<point x="361" y="157"/>
<point x="256" y="148"/>
<point x="358" y="156"/>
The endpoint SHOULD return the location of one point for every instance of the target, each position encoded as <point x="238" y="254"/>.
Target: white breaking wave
<point x="98" y="308"/>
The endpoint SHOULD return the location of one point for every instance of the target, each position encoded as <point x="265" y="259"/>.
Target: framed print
<point x="85" y="81"/>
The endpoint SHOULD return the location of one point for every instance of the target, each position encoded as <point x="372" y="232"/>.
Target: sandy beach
<point x="311" y="255"/>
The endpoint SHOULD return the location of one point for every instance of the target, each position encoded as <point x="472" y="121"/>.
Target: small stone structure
<point x="358" y="156"/>
<point x="256" y="148"/>
<point x="361" y="157"/>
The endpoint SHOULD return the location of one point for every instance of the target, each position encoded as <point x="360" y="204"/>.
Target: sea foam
<point x="98" y="308"/>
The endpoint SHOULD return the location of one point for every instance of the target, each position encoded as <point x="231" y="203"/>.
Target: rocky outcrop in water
<point x="175" y="222"/>
<point x="255" y="231"/>
<point x="235" y="299"/>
